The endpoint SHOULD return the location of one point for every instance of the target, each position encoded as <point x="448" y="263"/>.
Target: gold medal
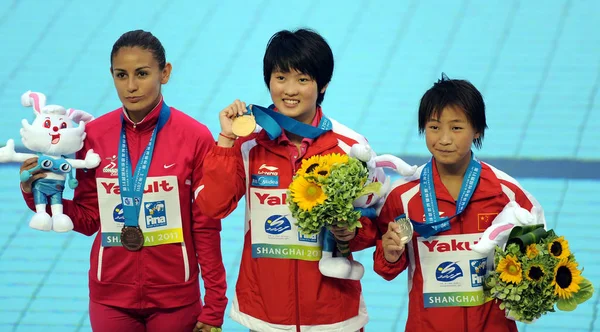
<point x="243" y="125"/>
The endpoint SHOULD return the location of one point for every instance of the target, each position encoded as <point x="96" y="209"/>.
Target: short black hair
<point x="303" y="50"/>
<point x="144" y="40"/>
<point x="458" y="93"/>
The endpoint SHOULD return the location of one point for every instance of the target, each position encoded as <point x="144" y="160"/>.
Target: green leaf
<point x="371" y="188"/>
<point x="523" y="236"/>
<point x="566" y="304"/>
<point x="586" y="290"/>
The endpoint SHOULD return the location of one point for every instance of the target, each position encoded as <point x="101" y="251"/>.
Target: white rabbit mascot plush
<point x="52" y="135"/>
<point x="497" y="234"/>
<point x="342" y="267"/>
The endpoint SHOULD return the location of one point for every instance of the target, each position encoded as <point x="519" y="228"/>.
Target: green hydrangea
<point x="343" y="185"/>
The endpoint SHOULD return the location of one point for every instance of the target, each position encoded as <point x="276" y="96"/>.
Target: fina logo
<point x="156" y="214"/>
<point x="118" y="215"/>
<point x="277" y="224"/>
<point x="448" y="271"/>
<point x="478" y="269"/>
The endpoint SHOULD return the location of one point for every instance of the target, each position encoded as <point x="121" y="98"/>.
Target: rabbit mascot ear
<point x="369" y="204"/>
<point x="79" y="116"/>
<point x="35" y="100"/>
<point x="497" y="234"/>
<point x="51" y="136"/>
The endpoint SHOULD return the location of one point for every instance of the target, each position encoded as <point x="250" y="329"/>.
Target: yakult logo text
<point x="453" y="245"/>
<point x="152" y="187"/>
<point x="271" y="199"/>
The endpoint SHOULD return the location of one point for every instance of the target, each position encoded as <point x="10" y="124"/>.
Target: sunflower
<point x="559" y="248"/>
<point x="335" y="158"/>
<point x="535" y="273"/>
<point x="532" y="251"/>
<point x="566" y="279"/>
<point x="309" y="165"/>
<point x="322" y="170"/>
<point x="510" y="269"/>
<point x="306" y="194"/>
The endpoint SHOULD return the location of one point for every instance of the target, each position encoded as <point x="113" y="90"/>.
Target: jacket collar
<point x="320" y="144"/>
<point x="147" y="123"/>
<point x="283" y="139"/>
<point x="488" y="186"/>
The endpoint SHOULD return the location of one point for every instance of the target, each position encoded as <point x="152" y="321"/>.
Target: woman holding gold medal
<point x="150" y="238"/>
<point x="280" y="286"/>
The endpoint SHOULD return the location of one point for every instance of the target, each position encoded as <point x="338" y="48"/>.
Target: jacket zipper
<point x="465" y="314"/>
<point x="139" y="253"/>
<point x="297" y="302"/>
<point x="293" y="162"/>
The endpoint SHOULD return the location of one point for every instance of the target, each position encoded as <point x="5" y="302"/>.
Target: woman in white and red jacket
<point x="280" y="286"/>
<point x="450" y="202"/>
<point x="149" y="285"/>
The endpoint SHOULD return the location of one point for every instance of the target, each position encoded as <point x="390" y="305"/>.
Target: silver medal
<point x="405" y="230"/>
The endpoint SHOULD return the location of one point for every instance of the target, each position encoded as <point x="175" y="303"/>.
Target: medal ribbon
<point x="433" y="223"/>
<point x="272" y="122"/>
<point x="132" y="189"/>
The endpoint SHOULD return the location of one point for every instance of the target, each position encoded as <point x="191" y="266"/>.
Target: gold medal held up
<point x="243" y="125"/>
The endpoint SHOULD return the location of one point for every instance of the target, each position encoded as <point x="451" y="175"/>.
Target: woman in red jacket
<point x="280" y="287"/>
<point x="150" y="237"/>
<point x="450" y="201"/>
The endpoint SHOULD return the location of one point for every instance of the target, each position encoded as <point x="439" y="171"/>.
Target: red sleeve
<point x="366" y="236"/>
<point x="388" y="270"/>
<point x="223" y="183"/>
<point x="83" y="209"/>
<point x="392" y="208"/>
<point x="207" y="243"/>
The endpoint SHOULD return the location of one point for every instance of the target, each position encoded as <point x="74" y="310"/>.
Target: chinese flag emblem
<point x="484" y="220"/>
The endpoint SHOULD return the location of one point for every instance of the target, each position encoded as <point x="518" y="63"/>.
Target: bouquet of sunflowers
<point x="535" y="272"/>
<point x="323" y="190"/>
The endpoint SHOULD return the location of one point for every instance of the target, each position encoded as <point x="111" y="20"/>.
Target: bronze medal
<point x="243" y="125"/>
<point x="132" y="238"/>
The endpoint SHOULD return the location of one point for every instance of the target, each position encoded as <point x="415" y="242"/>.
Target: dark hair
<point x="303" y="50"/>
<point x="144" y="40"/>
<point x="459" y="93"/>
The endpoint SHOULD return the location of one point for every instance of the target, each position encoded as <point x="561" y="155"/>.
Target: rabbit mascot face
<point x="52" y="135"/>
<point x="342" y="267"/>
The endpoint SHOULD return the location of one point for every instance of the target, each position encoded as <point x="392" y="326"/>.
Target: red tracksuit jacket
<point x="162" y="276"/>
<point x="439" y="264"/>
<point x="280" y="294"/>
